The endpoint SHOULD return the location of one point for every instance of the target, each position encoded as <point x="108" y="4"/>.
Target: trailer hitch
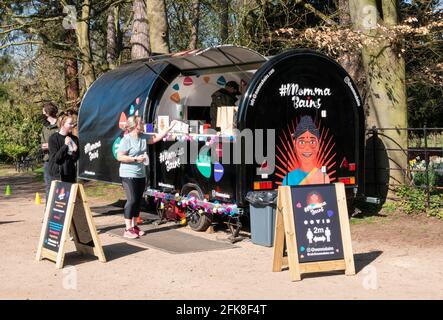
<point x="234" y="226"/>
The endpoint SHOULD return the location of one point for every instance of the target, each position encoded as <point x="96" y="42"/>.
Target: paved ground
<point x="397" y="257"/>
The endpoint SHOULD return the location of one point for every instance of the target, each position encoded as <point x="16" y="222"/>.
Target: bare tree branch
<point x="319" y="14"/>
<point x="20" y="43"/>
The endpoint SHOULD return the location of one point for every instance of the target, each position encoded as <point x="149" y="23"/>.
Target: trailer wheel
<point x="198" y="222"/>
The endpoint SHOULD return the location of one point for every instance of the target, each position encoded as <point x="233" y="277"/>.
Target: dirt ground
<point x="396" y="257"/>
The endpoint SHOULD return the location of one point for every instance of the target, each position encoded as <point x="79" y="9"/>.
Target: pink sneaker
<point x="138" y="231"/>
<point x="130" y="234"/>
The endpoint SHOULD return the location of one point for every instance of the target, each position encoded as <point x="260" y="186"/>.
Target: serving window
<point x="188" y="100"/>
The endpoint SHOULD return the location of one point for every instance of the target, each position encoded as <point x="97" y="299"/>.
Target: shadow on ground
<point x="368" y="210"/>
<point x="7" y="222"/>
<point x="148" y="226"/>
<point x="21" y="187"/>
<point x="361" y="260"/>
<point x="116" y="208"/>
<point x="112" y="252"/>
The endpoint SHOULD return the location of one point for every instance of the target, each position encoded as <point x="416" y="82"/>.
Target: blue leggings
<point x="134" y="188"/>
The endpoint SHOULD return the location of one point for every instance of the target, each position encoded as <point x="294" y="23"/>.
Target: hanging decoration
<point x="221" y="81"/>
<point x="190" y="202"/>
<point x="188" y="81"/>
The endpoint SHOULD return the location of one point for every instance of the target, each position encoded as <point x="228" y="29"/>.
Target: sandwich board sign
<point x="67" y="213"/>
<point x="312" y="221"/>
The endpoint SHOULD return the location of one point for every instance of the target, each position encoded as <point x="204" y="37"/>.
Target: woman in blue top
<point x="132" y="155"/>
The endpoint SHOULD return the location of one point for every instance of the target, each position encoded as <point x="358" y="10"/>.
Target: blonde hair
<point x="132" y="122"/>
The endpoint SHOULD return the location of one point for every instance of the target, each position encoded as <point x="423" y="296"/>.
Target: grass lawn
<point x="102" y="190"/>
<point x="93" y="189"/>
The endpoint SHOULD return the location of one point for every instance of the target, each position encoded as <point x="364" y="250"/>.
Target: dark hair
<point x="50" y="109"/>
<point x="234" y="85"/>
<point x="306" y="124"/>
<point x="71" y="112"/>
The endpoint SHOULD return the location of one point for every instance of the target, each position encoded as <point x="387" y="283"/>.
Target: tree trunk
<point x="385" y="72"/>
<point x="345" y="15"/>
<point x="390" y="12"/>
<point x="72" y="88"/>
<point x="84" y="44"/>
<point x="352" y="63"/>
<point x="194" y="25"/>
<point x="158" y="22"/>
<point x="118" y="34"/>
<point x="224" y="20"/>
<point x="111" y="39"/>
<point x="140" y="31"/>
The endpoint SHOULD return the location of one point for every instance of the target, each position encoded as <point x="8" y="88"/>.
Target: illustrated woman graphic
<point x="314" y="198"/>
<point x="307" y="146"/>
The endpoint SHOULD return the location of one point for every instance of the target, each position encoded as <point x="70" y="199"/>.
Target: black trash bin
<point x="262" y="213"/>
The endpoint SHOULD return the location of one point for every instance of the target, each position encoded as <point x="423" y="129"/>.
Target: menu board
<point x="317" y="223"/>
<point x="312" y="232"/>
<point x="57" y="213"/>
<point x="67" y="213"/>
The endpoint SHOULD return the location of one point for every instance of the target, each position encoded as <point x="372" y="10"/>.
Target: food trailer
<point x="299" y="120"/>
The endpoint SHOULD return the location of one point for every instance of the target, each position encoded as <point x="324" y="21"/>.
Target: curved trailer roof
<point x="136" y="85"/>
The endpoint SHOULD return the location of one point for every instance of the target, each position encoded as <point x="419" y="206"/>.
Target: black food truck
<point x="298" y="120"/>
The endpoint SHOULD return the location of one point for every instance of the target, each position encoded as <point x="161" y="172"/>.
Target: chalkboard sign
<point x="67" y="213"/>
<point x="57" y="212"/>
<point x="317" y="223"/>
<point x="312" y="223"/>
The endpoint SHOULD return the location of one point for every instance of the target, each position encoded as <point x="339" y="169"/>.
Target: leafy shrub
<point x="436" y="206"/>
<point x="389" y="207"/>
<point x="14" y="152"/>
<point x="413" y="200"/>
<point x="435" y="171"/>
<point x="20" y="128"/>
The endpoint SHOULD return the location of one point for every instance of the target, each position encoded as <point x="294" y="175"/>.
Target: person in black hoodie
<point x="63" y="151"/>
<point x="49" y="111"/>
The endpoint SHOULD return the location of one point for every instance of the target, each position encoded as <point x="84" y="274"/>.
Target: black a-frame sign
<point x="312" y="221"/>
<point x="68" y="214"/>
